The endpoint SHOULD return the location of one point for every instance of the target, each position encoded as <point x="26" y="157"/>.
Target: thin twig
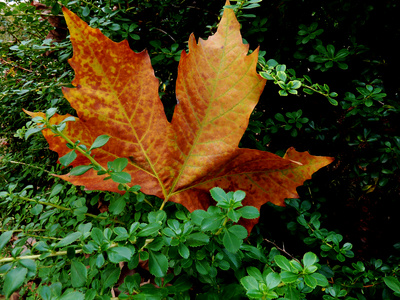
<point x="32" y="166"/>
<point x="14" y="65"/>
<point x="281" y="249"/>
<point x="165" y="33"/>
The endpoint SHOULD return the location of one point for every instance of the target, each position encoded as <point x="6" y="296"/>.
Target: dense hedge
<point x="347" y="106"/>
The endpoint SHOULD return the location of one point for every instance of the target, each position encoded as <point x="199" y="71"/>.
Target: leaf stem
<point x="29" y="165"/>
<point x="66" y="208"/>
<point x="36" y="256"/>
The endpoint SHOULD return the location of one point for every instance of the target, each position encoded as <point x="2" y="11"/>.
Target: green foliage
<point x="61" y="242"/>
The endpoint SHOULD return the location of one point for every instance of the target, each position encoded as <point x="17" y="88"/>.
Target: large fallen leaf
<point x="217" y="89"/>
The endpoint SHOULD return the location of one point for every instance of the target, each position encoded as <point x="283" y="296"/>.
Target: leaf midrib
<point x="121" y="106"/>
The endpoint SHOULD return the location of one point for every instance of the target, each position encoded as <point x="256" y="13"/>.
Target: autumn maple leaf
<point x="116" y="93"/>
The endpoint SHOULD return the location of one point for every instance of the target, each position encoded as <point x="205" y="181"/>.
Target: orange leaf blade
<point x="115" y="88"/>
<point x="217" y="89"/>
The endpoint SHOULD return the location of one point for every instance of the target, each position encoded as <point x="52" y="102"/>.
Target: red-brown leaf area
<point x="116" y="93"/>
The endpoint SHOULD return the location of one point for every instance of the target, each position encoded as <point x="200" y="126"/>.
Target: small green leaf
<point x="271" y="63"/>
<point x="132" y="282"/>
<point x="50" y="112"/>
<point x="239" y="231"/>
<point x="308" y="91"/>
<point x="56" y="190"/>
<point x="122" y="234"/>
<point x="69" y="239"/>
<point x="218" y="194"/>
<point x="203" y="267"/>
<point x="254" y="272"/>
<point x="234" y="215"/>
<point x="72" y="295"/>
<point x="100" y="260"/>
<point x="249" y="212"/>
<point x="198" y="216"/>
<point x="231" y="242"/>
<point x="183" y="250"/>
<point x="332" y="101"/>
<point x="239" y="196"/>
<point x="310" y="281"/>
<point x="68" y="158"/>
<point x="149" y="230"/>
<point x="393" y="283"/>
<point x="144" y="255"/>
<point x="110" y="276"/>
<point x="272" y="280"/>
<point x="256" y="294"/>
<point x="249" y="283"/>
<point x="90" y="294"/>
<point x="45" y="292"/>
<point x="117" y="206"/>
<point x="119" y="254"/>
<point x="31" y="131"/>
<point x="98" y="236"/>
<point x="211" y="224"/>
<point x="282" y="76"/>
<point x="13" y="280"/>
<point x="115" y="27"/>
<point x="29" y="264"/>
<point x="283" y="263"/>
<point x="288" y="277"/>
<point x="119" y="164"/>
<point x="85" y="11"/>
<point x="158" y="264"/>
<point x="121" y="177"/>
<point x="296" y="265"/>
<point x="78" y="274"/>
<point x="37" y="209"/>
<point x="197" y="239"/>
<point x="309" y="259"/>
<point x="79" y="170"/>
<point x="321" y="279"/>
<point x="280" y="117"/>
<point x="4" y="238"/>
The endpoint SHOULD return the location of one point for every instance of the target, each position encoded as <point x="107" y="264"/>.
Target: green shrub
<point x="332" y="90"/>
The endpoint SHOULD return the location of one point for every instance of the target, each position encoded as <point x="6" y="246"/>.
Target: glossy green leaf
<point x="283" y="263"/>
<point x="4" y="238"/>
<point x="80" y="170"/>
<point x="321" y="279"/>
<point x="68" y="158"/>
<point x="231" y="241"/>
<point x="218" y="194"/>
<point x="393" y="283"/>
<point x="309" y="259"/>
<point x="78" y="274"/>
<point x="273" y="280"/>
<point x="289" y="277"/>
<point x="119" y="254"/>
<point x="158" y="264"/>
<point x="69" y="239"/>
<point x="249" y="212"/>
<point x="149" y="230"/>
<point x="121" y="177"/>
<point x="183" y="250"/>
<point x="13" y="280"/>
<point x="72" y="295"/>
<point x="110" y="276"/>
<point x="117" y="206"/>
<point x="197" y="239"/>
<point x="249" y="283"/>
<point x="100" y="141"/>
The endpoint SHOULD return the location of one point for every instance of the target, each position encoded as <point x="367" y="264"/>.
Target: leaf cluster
<point x="54" y="222"/>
